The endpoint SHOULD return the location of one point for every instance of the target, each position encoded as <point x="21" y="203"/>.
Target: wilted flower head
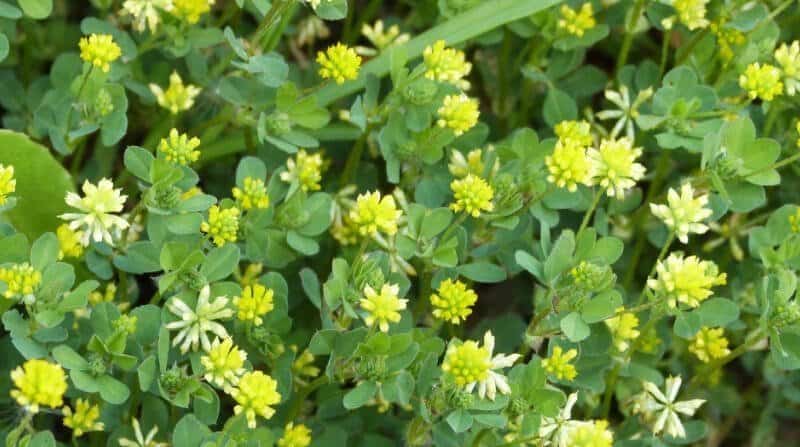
<point x="194" y="324"/>
<point x="139" y="439"/>
<point x="97" y="205"/>
<point x="661" y="411"/>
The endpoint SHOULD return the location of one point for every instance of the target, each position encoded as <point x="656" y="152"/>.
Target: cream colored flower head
<point x="614" y="166"/>
<point x="683" y="213"/>
<point x="96" y="218"/>
<point x="178" y="97"/>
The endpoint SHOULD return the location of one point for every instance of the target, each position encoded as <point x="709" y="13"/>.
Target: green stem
<point x="661" y="255"/>
<point x="664" y="53"/>
<point x="297" y="403"/>
<point x="587" y="217"/>
<point x="638" y="7"/>
<point x="354" y="159"/>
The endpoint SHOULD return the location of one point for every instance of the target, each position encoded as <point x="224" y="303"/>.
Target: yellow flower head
<point x="558" y="364"/>
<point x="686" y="280"/>
<point x="190" y="11"/>
<point x="178" y="97"/>
<point x="304" y="168"/>
<point x="224" y="363"/>
<point x="568" y="166"/>
<point x="453" y="301"/>
<point x="255" y="302"/>
<point x="692" y="13"/>
<point x="472" y="195"/>
<point x="179" y="148"/>
<point x="222" y="225"/>
<point x="683" y="213"/>
<point x="21" y="280"/>
<point x="99" y="50"/>
<point x="7" y="182"/>
<point x="591" y="434"/>
<point x="446" y="65"/>
<point x="373" y="213"/>
<point x="255" y="395"/>
<point x="339" y="62"/>
<point x="578" y="133"/>
<point x="762" y="81"/>
<point x="69" y="242"/>
<point x="303" y="365"/>
<point x="83" y="419"/>
<point x="295" y="436"/>
<point x="467" y="363"/>
<point x="458" y="113"/>
<point x="253" y="194"/>
<point x="709" y="344"/>
<point x="382" y="308"/>
<point x="39" y="383"/>
<point x="107" y="296"/>
<point x="623" y="328"/>
<point x="614" y="166"/>
<point x="461" y="166"/>
<point x="577" y="22"/>
<point x="788" y="57"/>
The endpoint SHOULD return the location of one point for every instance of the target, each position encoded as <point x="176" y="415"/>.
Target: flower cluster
<point x="222" y="225"/>
<point x="446" y="65"/>
<point x="709" y="344"/>
<point x="762" y="81"/>
<point x="179" y="148"/>
<point x="305" y="169"/>
<point x="39" y="383"/>
<point x="100" y="50"/>
<point x="458" y="113"/>
<point x="683" y="213"/>
<point x="252" y="194"/>
<point x="382" y="307"/>
<point x="685" y="280"/>
<point x="453" y="301"/>
<point x="178" y="97"/>
<point x="339" y="62"/>
<point x="472" y="195"/>
<point x="577" y="22"/>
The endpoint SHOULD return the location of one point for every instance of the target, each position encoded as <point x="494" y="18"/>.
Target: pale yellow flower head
<point x="382" y="308"/>
<point x="97" y="208"/>
<point x="569" y="166"/>
<point x="453" y="301"/>
<point x="100" y="50"/>
<point x="762" y="81"/>
<point x="788" y="57"/>
<point x="255" y="302"/>
<point x="295" y="436"/>
<point x="691" y="13"/>
<point x="461" y="166"/>
<point x="305" y="169"/>
<point x="686" y="280"/>
<point x="145" y="13"/>
<point x="21" y="280"/>
<point x="224" y="364"/>
<point x="222" y="225"/>
<point x="178" y="148"/>
<point x="69" y="242"/>
<point x="623" y="327"/>
<point x="458" y="113"/>
<point x="614" y="166"/>
<point x="83" y="419"/>
<point x="190" y="11"/>
<point x="683" y="214"/>
<point x="339" y="62"/>
<point x="472" y="195"/>
<point x="577" y="22"/>
<point x="577" y="133"/>
<point x="178" y="97"/>
<point x="252" y="194"/>
<point x="38" y="383"/>
<point x="709" y="344"/>
<point x="373" y="213"/>
<point x="8" y="184"/>
<point x="446" y="65"/>
<point x="255" y="395"/>
<point x="590" y="434"/>
<point x="559" y="364"/>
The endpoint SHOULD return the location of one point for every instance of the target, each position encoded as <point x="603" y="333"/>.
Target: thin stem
<point x="664" y="53"/>
<point x="638" y="7"/>
<point x="354" y="159"/>
<point x="587" y="217"/>
<point x="661" y="255"/>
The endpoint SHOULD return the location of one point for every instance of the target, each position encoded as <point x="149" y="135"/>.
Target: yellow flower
<point x="305" y="169"/>
<point x="7" y="182"/>
<point x="224" y="363"/>
<point x="83" y="419"/>
<point x="295" y="436"/>
<point x="382" y="308"/>
<point x="614" y="166"/>
<point x="762" y="81"/>
<point x="255" y="302"/>
<point x="684" y="213"/>
<point x="178" y="97"/>
<point x="21" y="280"/>
<point x="794" y="221"/>
<point x="222" y="225"/>
<point x="472" y="194"/>
<point x="96" y="212"/>
<point x="191" y="10"/>
<point x="578" y="133"/>
<point x="590" y="434"/>
<point x="253" y="194"/>
<point x="303" y="365"/>
<point x="577" y="22"/>
<point x="339" y="62"/>
<point x="69" y="242"/>
<point x="686" y="280"/>
<point x="691" y="13"/>
<point x="99" y="50"/>
<point x="460" y="166"/>
<point x="254" y="395"/>
<point x="39" y="383"/>
<point x="446" y="65"/>
<point x="96" y="297"/>
<point x="568" y="166"/>
<point x="467" y="363"/>
<point x="709" y="344"/>
<point x="251" y="274"/>
<point x="623" y="328"/>
<point x="458" y="113"/>
<point x="453" y="302"/>
<point x="372" y="214"/>
<point x="179" y="148"/>
<point x="788" y="57"/>
<point x="558" y="364"/>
